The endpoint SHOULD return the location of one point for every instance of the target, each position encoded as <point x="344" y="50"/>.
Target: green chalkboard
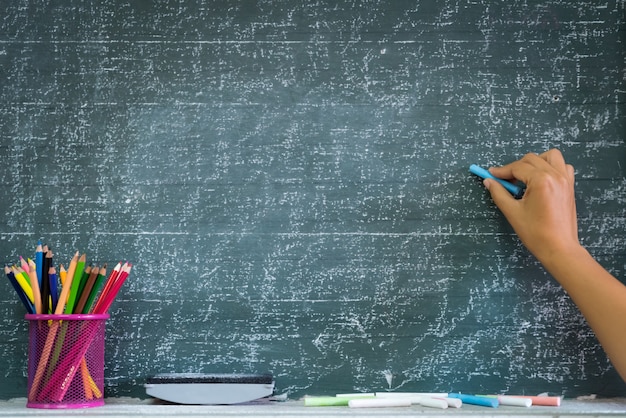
<point x="290" y="180"/>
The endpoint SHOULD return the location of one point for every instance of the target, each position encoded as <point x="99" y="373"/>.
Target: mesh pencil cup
<point x="66" y="361"/>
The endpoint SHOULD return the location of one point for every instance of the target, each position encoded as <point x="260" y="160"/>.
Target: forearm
<point x="600" y="297"/>
<point x="546" y="222"/>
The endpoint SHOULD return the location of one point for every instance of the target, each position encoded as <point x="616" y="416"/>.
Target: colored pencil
<point x="107" y="286"/>
<point x="96" y="289"/>
<point x="110" y="296"/>
<point x="39" y="261"/>
<point x="45" y="285"/>
<point x="34" y="284"/>
<point x="67" y="286"/>
<point x="86" y="290"/>
<point x="52" y="277"/>
<point x="77" y="276"/>
<point x="25" y="266"/>
<point x="81" y="286"/>
<point x="62" y="274"/>
<point x="19" y="277"/>
<point x="18" y="289"/>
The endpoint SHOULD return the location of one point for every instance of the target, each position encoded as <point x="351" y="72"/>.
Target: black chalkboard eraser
<point x="209" y="389"/>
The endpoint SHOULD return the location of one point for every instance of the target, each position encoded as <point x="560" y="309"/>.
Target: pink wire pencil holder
<point x="66" y="360"/>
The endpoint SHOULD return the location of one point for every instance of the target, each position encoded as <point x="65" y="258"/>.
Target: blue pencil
<point x="39" y="262"/>
<point x="54" y="292"/>
<point x="45" y="281"/>
<point x="20" y="293"/>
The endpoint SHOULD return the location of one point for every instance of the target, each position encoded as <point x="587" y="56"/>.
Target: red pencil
<point x="110" y="296"/>
<point x="107" y="287"/>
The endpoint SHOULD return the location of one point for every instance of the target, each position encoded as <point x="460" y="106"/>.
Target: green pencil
<point x="78" y="274"/>
<point x="96" y="288"/>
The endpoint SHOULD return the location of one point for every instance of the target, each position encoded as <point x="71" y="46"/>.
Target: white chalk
<point x="403" y="394"/>
<point x="514" y="401"/>
<point x="453" y="402"/>
<point x="428" y="401"/>
<point x="378" y="403"/>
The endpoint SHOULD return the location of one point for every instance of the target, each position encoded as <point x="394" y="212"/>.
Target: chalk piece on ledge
<point x="514" y="401"/>
<point x="475" y="400"/>
<point x="430" y="402"/>
<point x="342" y="400"/>
<point x="379" y="403"/>
<point x="209" y="389"/>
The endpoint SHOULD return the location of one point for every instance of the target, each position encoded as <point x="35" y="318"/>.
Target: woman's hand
<point x="545" y="217"/>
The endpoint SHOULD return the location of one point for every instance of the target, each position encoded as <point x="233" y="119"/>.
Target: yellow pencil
<point x="34" y="282"/>
<point x="62" y="274"/>
<point x="28" y="291"/>
<point x="66" y="286"/>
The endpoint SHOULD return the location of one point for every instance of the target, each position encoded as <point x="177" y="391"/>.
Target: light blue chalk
<point x="512" y="188"/>
<point x="475" y="400"/>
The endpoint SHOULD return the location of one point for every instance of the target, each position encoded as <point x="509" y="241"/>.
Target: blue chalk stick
<point x="515" y="190"/>
<point x="475" y="400"/>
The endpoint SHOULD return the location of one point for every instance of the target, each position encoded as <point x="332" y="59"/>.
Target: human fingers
<point x="525" y="168"/>
<point x="570" y="172"/>
<point x="507" y="204"/>
<point x="553" y="164"/>
<point x="554" y="158"/>
<point x="521" y="169"/>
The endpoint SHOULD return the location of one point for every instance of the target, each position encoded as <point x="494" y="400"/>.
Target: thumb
<point x="501" y="197"/>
